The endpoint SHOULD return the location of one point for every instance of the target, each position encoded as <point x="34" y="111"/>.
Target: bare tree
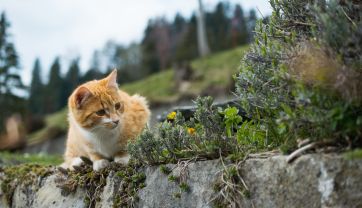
<point x="201" y="32"/>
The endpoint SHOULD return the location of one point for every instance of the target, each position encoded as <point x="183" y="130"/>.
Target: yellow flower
<point x="191" y="131"/>
<point x="171" y="116"/>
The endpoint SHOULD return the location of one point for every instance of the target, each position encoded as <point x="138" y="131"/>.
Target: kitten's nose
<point x="115" y="122"/>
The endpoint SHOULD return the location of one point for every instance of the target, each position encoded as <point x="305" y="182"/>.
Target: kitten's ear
<point x="112" y="79"/>
<point x="81" y="96"/>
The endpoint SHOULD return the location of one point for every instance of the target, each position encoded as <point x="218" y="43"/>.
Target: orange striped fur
<point x="102" y="120"/>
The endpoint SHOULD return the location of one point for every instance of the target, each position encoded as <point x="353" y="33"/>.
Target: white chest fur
<point x="104" y="141"/>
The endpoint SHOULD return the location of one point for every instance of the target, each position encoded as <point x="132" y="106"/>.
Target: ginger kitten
<point x="102" y="119"/>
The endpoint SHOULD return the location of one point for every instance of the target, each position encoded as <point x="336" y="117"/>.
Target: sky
<point x="71" y="28"/>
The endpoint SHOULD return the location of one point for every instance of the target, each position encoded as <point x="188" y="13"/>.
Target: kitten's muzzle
<point x="111" y="124"/>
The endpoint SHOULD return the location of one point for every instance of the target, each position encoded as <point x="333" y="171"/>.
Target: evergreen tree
<point x="36" y="102"/>
<point x="71" y="81"/>
<point x="252" y="19"/>
<point x="188" y="47"/>
<point x="239" y="27"/>
<point x="179" y="23"/>
<point x="53" y="96"/>
<point x="218" y="25"/>
<point x="94" y="71"/>
<point x="163" y="42"/>
<point x="73" y="74"/>
<point x="178" y="33"/>
<point x="10" y="80"/>
<point x="91" y="74"/>
<point x="150" y="61"/>
<point x="156" y="45"/>
<point x="129" y="63"/>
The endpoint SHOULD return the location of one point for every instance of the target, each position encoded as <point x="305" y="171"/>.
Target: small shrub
<point x="210" y="133"/>
<point x="302" y="77"/>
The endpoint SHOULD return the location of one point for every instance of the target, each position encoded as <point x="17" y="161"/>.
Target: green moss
<point x="177" y="195"/>
<point x="116" y="201"/>
<point x="172" y="178"/>
<point x="86" y="201"/>
<point x="165" y="170"/>
<point x="353" y="155"/>
<point x="184" y="187"/>
<point x="130" y="176"/>
<point x="247" y="194"/>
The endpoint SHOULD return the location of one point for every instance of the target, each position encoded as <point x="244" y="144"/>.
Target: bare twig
<point x="349" y="18"/>
<point x="303" y="142"/>
<point x="264" y="154"/>
<point x="304" y="23"/>
<point x="299" y="151"/>
<point x="261" y="14"/>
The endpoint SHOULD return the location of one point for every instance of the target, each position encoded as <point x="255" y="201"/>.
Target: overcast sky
<point x="47" y="28"/>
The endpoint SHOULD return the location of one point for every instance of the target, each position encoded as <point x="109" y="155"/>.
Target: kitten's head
<point x="97" y="104"/>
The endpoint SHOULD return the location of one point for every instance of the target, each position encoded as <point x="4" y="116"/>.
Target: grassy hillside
<point x="213" y="71"/>
<point x="7" y="159"/>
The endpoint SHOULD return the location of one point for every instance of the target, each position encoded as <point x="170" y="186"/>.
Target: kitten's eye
<point x="117" y="106"/>
<point x="101" y="112"/>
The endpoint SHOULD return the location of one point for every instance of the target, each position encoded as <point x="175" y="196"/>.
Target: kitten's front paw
<point x="100" y="164"/>
<point x="76" y="162"/>
<point x="123" y="160"/>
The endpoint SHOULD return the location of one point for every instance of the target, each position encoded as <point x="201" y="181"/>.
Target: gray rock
<point x="199" y="176"/>
<point x="310" y="181"/>
<point x="109" y="191"/>
<point x="49" y="195"/>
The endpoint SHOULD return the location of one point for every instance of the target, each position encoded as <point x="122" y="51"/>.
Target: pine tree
<point x="150" y="61"/>
<point x="10" y="80"/>
<point x="129" y="63"/>
<point x="94" y="71"/>
<point x="252" y="19"/>
<point x="178" y="34"/>
<point x="36" y="101"/>
<point x="187" y="49"/>
<point x="71" y="81"/>
<point x="239" y="27"/>
<point x="219" y="28"/>
<point x="54" y="90"/>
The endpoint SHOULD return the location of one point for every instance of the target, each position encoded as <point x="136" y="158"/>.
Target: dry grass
<point x="318" y="66"/>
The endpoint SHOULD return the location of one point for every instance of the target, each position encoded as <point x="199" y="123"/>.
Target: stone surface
<point x="310" y="181"/>
<point x="49" y="195"/>
<point x="199" y="176"/>
<point x="109" y="191"/>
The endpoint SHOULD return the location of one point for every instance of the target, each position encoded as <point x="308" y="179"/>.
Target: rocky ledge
<point x="310" y="181"/>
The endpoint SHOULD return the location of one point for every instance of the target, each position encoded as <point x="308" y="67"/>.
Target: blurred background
<point x="167" y="51"/>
